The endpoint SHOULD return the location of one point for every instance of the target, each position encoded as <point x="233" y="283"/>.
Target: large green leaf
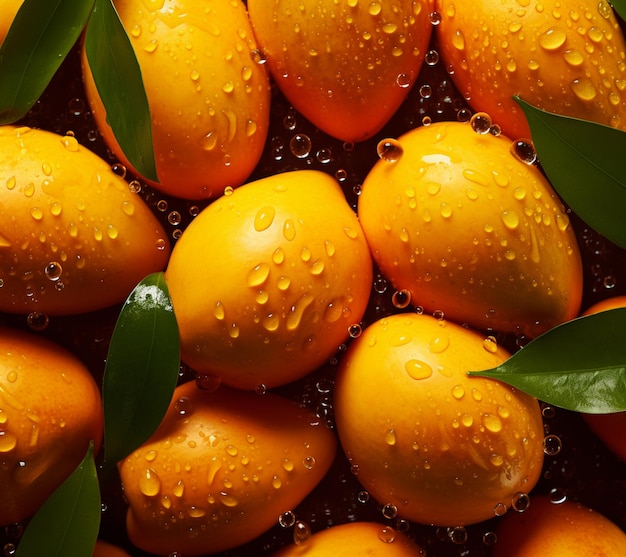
<point x="620" y="7"/>
<point x="118" y="79"/>
<point x="39" y="39"/>
<point x="141" y="368"/>
<point x="579" y="365"/>
<point x="67" y="523"/>
<point x="585" y="163"/>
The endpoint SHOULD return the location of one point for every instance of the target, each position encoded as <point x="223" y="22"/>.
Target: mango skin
<point x="209" y="101"/>
<point x="220" y="469"/>
<point x="73" y="237"/>
<point x="50" y="409"/>
<point x="469" y="229"/>
<point x="346" y="66"/>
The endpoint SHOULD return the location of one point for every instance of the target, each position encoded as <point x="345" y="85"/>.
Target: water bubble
<point x="387" y="534"/>
<point x="134" y="186"/>
<point x="300" y="146"/>
<point x="309" y="462"/>
<point x="183" y="406"/>
<point x="431" y="57"/>
<point x="557" y="496"/>
<point x="287" y="519"/>
<point x="301" y="532"/>
<point x="389" y="511"/>
<point x="403" y="80"/>
<point x="37" y="320"/>
<point x="520" y="502"/>
<point x="524" y="150"/>
<point x="481" y="123"/>
<point x="389" y="150"/>
<point x="435" y="18"/>
<point x="363" y="497"/>
<point x="457" y="535"/>
<point x="426" y="91"/>
<point x="490" y="538"/>
<point x="10" y="550"/>
<point x="552" y="445"/>
<point x="401" y="299"/>
<point x="355" y="330"/>
<point x="464" y="115"/>
<point x="258" y="56"/>
<point x="499" y="509"/>
<point x="53" y="271"/>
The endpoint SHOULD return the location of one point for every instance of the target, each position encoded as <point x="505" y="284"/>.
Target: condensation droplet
<point x="552" y="445"/>
<point x="300" y="146"/>
<point x="481" y="123"/>
<point x="418" y="369"/>
<point x="301" y="532"/>
<point x="524" y="150"/>
<point x="287" y="519"/>
<point x="553" y="38"/>
<point x="389" y="150"/>
<point x="401" y="299"/>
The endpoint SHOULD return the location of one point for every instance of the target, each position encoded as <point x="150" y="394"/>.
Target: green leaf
<point x="141" y="368"/>
<point x="584" y="162"/>
<point x="118" y="79"/>
<point x="579" y="365"/>
<point x="620" y="7"/>
<point x="68" y="522"/>
<point x="39" y="39"/>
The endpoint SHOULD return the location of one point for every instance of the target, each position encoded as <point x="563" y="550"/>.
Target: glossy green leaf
<point x="579" y="365"/>
<point x="118" y="79"/>
<point x="620" y="7"/>
<point x="141" y="368"/>
<point x="68" y="522"/>
<point x="39" y="39"/>
<point x="585" y="164"/>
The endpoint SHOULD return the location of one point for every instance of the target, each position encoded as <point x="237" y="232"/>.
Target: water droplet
<point x="300" y="146"/>
<point x="510" y="219"/>
<point x="401" y="299"/>
<point x="584" y="89"/>
<point x="553" y="38"/>
<point x="301" y="532"/>
<point x="183" y="406"/>
<point x="403" y="80"/>
<point x="434" y="18"/>
<point x="258" y="57"/>
<point x="355" y="330"/>
<point x="264" y="218"/>
<point x="573" y="57"/>
<point x="439" y="343"/>
<point x="53" y="271"/>
<point x="289" y="229"/>
<point x="481" y="123"/>
<point x="492" y="422"/>
<point x="36" y="213"/>
<point x="287" y="519"/>
<point x="552" y="445"/>
<point x="418" y="369"/>
<point x="390" y="438"/>
<point x="389" y="150"/>
<point x="228" y="500"/>
<point x="458" y="535"/>
<point x="390" y="511"/>
<point x="258" y="274"/>
<point x="490" y="344"/>
<point x="308" y="462"/>
<point x="499" y="509"/>
<point x="520" y="502"/>
<point x="458" y="391"/>
<point x="431" y="57"/>
<point x="524" y="150"/>
<point x="8" y="441"/>
<point x="37" y="320"/>
<point x="150" y="483"/>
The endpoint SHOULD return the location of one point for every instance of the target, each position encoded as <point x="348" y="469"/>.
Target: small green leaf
<point x="141" y="368"/>
<point x="118" y="79"/>
<point x="68" y="522"/>
<point x="39" y="39"/>
<point x="584" y="161"/>
<point x="579" y="365"/>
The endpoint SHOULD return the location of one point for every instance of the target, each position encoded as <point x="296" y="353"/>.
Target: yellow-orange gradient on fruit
<point x="266" y="281"/>
<point x="346" y="66"/>
<point x="564" y="56"/>
<point x="50" y="409"/>
<point x="354" y="538"/>
<point x="610" y="428"/>
<point x="567" y="529"/>
<point x="220" y="469"/>
<point x="9" y="9"/>
<point x="209" y="99"/>
<point x="421" y="435"/>
<point x="454" y="218"/>
<point x="105" y="549"/>
<point x="73" y="237"/>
